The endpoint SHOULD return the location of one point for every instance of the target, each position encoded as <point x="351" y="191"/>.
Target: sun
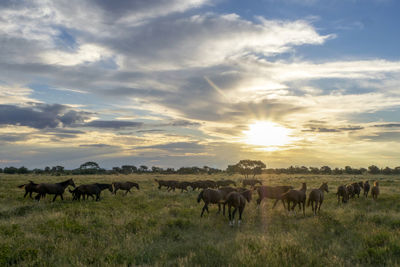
<point x="268" y="135"/>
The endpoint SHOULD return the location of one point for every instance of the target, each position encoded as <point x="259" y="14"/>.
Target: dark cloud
<point x="97" y="145"/>
<point x="10" y="138"/>
<point x="150" y="131"/>
<point x="177" y="146"/>
<point x="333" y="130"/>
<point x="41" y="116"/>
<point x="388" y="125"/>
<point x="113" y="124"/>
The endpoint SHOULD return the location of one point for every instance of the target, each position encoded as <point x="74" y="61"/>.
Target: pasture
<point x="154" y="227"/>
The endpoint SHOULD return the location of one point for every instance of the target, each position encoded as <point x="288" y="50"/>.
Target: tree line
<point x="248" y="168"/>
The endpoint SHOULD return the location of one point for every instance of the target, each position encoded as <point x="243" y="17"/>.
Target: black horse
<point x="90" y="190"/>
<point x="53" y="189"/>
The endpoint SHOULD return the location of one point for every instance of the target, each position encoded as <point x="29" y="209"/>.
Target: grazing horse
<point x="30" y="188"/>
<point x="342" y="192"/>
<point x="225" y="183"/>
<point x="273" y="192"/>
<point x="317" y="196"/>
<point x="124" y="186"/>
<point x="90" y="190"/>
<point x="251" y="182"/>
<point x="366" y="188"/>
<point x="213" y="196"/>
<point x="183" y="186"/>
<point x="297" y="197"/>
<point x="350" y="190"/>
<point x="53" y="189"/>
<point x="375" y="190"/>
<point x="238" y="201"/>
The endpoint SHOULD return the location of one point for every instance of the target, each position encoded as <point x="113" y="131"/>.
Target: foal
<point x="375" y="190"/>
<point x="238" y="201"/>
<point x="30" y="188"/>
<point x="317" y="196"/>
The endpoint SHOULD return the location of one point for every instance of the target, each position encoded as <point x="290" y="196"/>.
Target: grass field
<point x="159" y="228"/>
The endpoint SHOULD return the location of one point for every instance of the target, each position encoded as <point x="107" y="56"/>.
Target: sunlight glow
<point x="268" y="135"/>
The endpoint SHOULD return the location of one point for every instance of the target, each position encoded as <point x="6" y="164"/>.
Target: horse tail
<point x="21" y="186"/>
<point x="200" y="196"/>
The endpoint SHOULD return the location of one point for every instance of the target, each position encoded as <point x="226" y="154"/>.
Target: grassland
<point x="152" y="227"/>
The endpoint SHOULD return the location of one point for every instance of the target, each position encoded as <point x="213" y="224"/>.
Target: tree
<point x="348" y="170"/>
<point x="326" y="170"/>
<point x="373" y="169"/>
<point x="143" y="168"/>
<point x="22" y="170"/>
<point x="89" y="165"/>
<point x="10" y="170"/>
<point x="387" y="171"/>
<point x="247" y="167"/>
<point x="128" y="169"/>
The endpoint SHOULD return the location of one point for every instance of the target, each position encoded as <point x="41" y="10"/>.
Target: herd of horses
<point x="84" y="190"/>
<point x="215" y="192"/>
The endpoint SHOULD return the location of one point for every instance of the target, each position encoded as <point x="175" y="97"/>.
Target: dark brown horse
<point x="30" y="188"/>
<point x="350" y="190"/>
<point x="317" y="196"/>
<point x="237" y="201"/>
<point x="251" y="182"/>
<point x="297" y="197"/>
<point x="124" y="186"/>
<point x="183" y="186"/>
<point x="90" y="190"/>
<point x="366" y="188"/>
<point x="272" y="192"/>
<point x="375" y="190"/>
<point x="356" y="189"/>
<point x="53" y="189"/>
<point x="213" y="196"/>
<point x="342" y="193"/>
<point x="225" y="183"/>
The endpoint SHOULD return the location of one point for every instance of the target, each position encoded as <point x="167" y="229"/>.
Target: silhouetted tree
<point x="89" y="165"/>
<point x="387" y="171"/>
<point x="326" y="170"/>
<point x="373" y="169"/>
<point x="247" y="167"/>
<point x="10" y="170"/>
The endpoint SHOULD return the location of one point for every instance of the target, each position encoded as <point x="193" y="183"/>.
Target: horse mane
<point x="65" y="182"/>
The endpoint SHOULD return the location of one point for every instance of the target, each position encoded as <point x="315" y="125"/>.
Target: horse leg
<point x="61" y="197"/>
<point x="304" y="208"/>
<point x="204" y="208"/>
<point x="126" y="192"/>
<point x="230" y="214"/>
<point x="55" y="197"/>
<point x="233" y="215"/>
<point x="319" y="207"/>
<point x="97" y="197"/>
<point x="223" y="209"/>
<point x="219" y="208"/>
<point x="276" y="201"/>
<point x="241" y="208"/>
<point x="26" y="193"/>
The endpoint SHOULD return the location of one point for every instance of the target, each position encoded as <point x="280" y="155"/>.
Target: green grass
<point x="152" y="227"/>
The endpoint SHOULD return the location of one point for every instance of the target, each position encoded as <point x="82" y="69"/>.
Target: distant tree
<point x="373" y="169"/>
<point x="22" y="170"/>
<point x="314" y="170"/>
<point x="143" y="168"/>
<point x="396" y="170"/>
<point x="250" y="167"/>
<point x="38" y="171"/>
<point x="89" y="165"/>
<point x="387" y="171"/>
<point x="337" y="171"/>
<point x="155" y="169"/>
<point x="231" y="169"/>
<point x="1" y="170"/>
<point x="10" y="170"/>
<point x="116" y="169"/>
<point x="348" y="170"/>
<point x="128" y="169"/>
<point x="47" y="169"/>
<point x="326" y="170"/>
<point x="363" y="170"/>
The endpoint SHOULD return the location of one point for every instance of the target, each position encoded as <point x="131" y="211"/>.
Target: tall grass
<point x="153" y="227"/>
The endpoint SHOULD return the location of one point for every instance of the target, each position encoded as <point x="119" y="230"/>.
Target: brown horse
<point x="342" y="193"/>
<point x="238" y="201"/>
<point x="251" y="182"/>
<point x="53" y="189"/>
<point x="366" y="188"/>
<point x="213" y="196"/>
<point x="317" y="196"/>
<point x="183" y="186"/>
<point x="356" y="189"/>
<point x="225" y="183"/>
<point x="350" y="190"/>
<point x="297" y="197"/>
<point x="30" y="188"/>
<point x="273" y="192"/>
<point x="90" y="190"/>
<point x="124" y="186"/>
<point x="375" y="190"/>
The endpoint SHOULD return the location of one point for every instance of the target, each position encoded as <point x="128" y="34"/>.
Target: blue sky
<point x="198" y="82"/>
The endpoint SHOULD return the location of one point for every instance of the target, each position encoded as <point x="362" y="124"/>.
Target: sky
<point x="174" y="83"/>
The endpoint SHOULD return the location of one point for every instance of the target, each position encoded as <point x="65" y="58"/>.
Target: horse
<point x="238" y="201"/>
<point x="350" y="190"/>
<point x="375" y="190"/>
<point x="90" y="190"/>
<point x="30" y="188"/>
<point x="161" y="183"/>
<point x="273" y="192"/>
<point x="366" y="189"/>
<point x="297" y="197"/>
<point x="124" y="186"/>
<point x="342" y="192"/>
<point x="356" y="189"/>
<point x="225" y="183"/>
<point x="317" y="196"/>
<point x="251" y="182"/>
<point x="53" y="189"/>
<point x="183" y="186"/>
<point x="213" y="196"/>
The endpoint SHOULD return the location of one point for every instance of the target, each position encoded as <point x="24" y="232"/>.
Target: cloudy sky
<point x="174" y="83"/>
